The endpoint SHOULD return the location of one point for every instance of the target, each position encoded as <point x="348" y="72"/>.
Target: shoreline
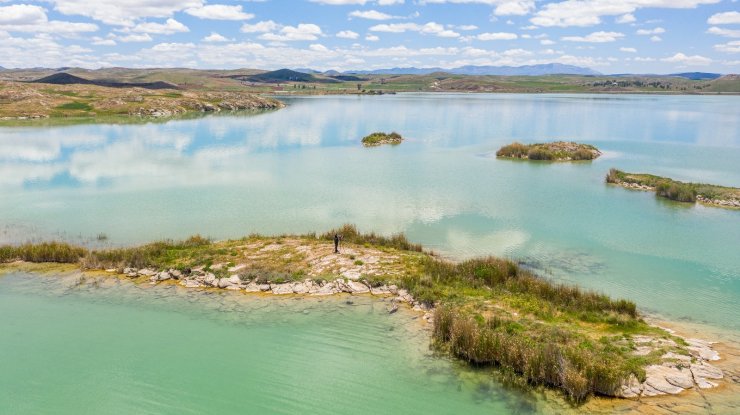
<point x="307" y="266"/>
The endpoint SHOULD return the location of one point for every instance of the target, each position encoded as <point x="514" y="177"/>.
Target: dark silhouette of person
<point x="336" y="243"/>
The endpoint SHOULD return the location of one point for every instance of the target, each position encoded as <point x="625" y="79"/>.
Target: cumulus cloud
<point x="501" y="7"/>
<point x="431" y="28"/>
<point x="33" y="19"/>
<point x="304" y="31"/>
<point x="628" y="50"/>
<point x="371" y="15"/>
<point x="123" y="12"/>
<point x="725" y="18"/>
<point x="724" y="32"/>
<point x="695" y="60"/>
<point x="219" y="12"/>
<point x="648" y="32"/>
<point x="589" y="12"/>
<point x="215" y="37"/>
<point x="497" y="36"/>
<point x="347" y="34"/>
<point x="729" y="47"/>
<point x="260" y="27"/>
<point x="167" y="28"/>
<point x="595" y="37"/>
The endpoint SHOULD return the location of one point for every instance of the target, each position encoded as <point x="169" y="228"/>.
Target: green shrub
<point x="76" y="105"/>
<point x="537" y="153"/>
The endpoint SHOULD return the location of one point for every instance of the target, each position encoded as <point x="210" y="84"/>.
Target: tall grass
<point x="43" y="252"/>
<point x="350" y="233"/>
<point x="542" y="354"/>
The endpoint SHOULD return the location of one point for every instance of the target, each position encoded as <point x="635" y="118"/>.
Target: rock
<point x="130" y="270"/>
<point x="111" y="270"/>
<point x="702" y="349"/>
<point x="657" y="379"/>
<point x="264" y="287"/>
<point x="300" y="288"/>
<point x="253" y="287"/>
<point x="145" y="272"/>
<point x="382" y="290"/>
<point x="235" y="280"/>
<point x="281" y="289"/>
<point x="163" y="276"/>
<point x="393" y="289"/>
<point x="632" y="388"/>
<point x="326" y="289"/>
<point x="210" y="279"/>
<point x="190" y="283"/>
<point x="223" y="283"/>
<point x="706" y="371"/>
<point x="357" y="287"/>
<point x="176" y="274"/>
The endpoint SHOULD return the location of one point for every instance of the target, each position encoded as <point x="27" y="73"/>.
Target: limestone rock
<point x="281" y="289"/>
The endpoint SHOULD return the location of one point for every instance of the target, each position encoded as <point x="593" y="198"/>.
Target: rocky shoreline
<point x="675" y="374"/>
<point x="725" y="203"/>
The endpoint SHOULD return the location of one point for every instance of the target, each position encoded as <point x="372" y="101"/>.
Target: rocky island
<point x="20" y="100"/>
<point x="379" y="138"/>
<point x="485" y="311"/>
<point x="555" y="151"/>
<point x="707" y="194"/>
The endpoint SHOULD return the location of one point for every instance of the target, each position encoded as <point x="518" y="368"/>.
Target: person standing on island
<point x="336" y="243"/>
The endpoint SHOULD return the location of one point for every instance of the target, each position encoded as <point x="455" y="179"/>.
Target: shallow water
<point x="301" y="169"/>
<point x="82" y="347"/>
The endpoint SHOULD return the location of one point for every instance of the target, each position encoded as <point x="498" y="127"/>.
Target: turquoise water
<point x="112" y="347"/>
<point x="71" y="347"/>
<point x="301" y="169"/>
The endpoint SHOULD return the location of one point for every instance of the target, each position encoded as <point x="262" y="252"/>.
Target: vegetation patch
<point x="379" y="138"/>
<point x="708" y="194"/>
<point x="487" y="311"/>
<point x="556" y="151"/>
<point x="76" y="105"/>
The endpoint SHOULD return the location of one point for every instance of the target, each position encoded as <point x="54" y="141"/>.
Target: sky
<point x="609" y="36"/>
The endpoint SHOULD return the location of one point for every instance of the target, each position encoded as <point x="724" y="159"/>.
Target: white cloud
<point x="347" y="34"/>
<point x="219" y="12"/>
<point x="656" y="39"/>
<point x="144" y="37"/>
<point x="595" y="37"/>
<point x="502" y="7"/>
<point x="625" y="18"/>
<point x="648" y="32"/>
<point x="589" y="12"/>
<point x="546" y="42"/>
<point x="497" y="36"/>
<point x="123" y="12"/>
<point x="33" y="19"/>
<point x="729" y="47"/>
<point x="628" y="50"/>
<point x="430" y="28"/>
<point x="725" y="18"/>
<point x="317" y="47"/>
<point x="260" y="27"/>
<point x="372" y="38"/>
<point x="723" y="32"/>
<point x="169" y="27"/>
<point x="215" y="37"/>
<point x="340" y="2"/>
<point x="304" y="31"/>
<point x="371" y="15"/>
<point x="695" y="60"/>
<point x="99" y="41"/>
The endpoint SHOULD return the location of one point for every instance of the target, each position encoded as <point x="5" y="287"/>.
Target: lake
<point x="302" y="169"/>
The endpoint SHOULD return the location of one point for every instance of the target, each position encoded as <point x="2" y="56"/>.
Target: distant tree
<point x="359" y="87"/>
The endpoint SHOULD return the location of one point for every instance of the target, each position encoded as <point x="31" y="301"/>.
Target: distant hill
<point x="526" y="70"/>
<point x="285" y="75"/>
<point x="697" y="76"/>
<point x="63" y="78"/>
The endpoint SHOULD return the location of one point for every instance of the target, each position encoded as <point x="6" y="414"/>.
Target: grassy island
<point x="486" y="311"/>
<point x="378" y="138"/>
<point x="556" y="151"/>
<point x="728" y="197"/>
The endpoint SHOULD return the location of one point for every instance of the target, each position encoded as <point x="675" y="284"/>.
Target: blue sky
<point x="611" y="36"/>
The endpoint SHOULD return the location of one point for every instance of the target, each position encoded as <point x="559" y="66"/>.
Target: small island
<point x="555" y="151"/>
<point x="485" y="311"/>
<point x="380" y="138"/>
<point x="707" y="194"/>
